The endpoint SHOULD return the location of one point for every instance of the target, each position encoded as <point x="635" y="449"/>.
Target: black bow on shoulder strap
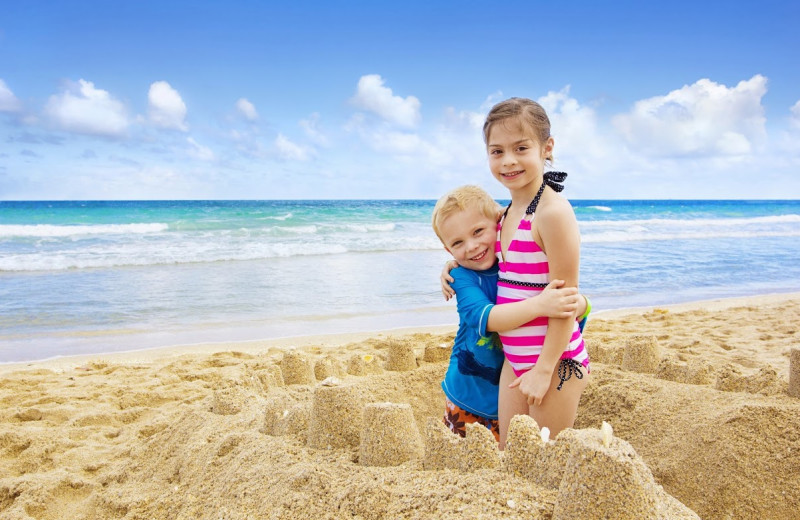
<point x="555" y="180"/>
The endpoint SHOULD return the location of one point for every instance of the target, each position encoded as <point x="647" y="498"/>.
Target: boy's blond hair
<point x="460" y="199"/>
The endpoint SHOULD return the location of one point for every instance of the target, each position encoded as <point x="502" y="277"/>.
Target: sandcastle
<point x="228" y="401"/>
<point x="401" y="357"/>
<point x="479" y="449"/>
<point x="275" y="410"/>
<point x="326" y="367"/>
<point x="297" y="369"/>
<point x="277" y="374"/>
<point x="694" y="372"/>
<point x="594" y="474"/>
<point x="356" y="366"/>
<point x="389" y="435"/>
<point x="525" y="443"/>
<point x="444" y="450"/>
<point x="642" y="354"/>
<point x="437" y="353"/>
<point x="794" y="372"/>
<point x="336" y="416"/>
<point x="293" y="421"/>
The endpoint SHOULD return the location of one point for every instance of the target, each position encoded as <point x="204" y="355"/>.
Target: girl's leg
<point x="511" y="402"/>
<point x="559" y="407"/>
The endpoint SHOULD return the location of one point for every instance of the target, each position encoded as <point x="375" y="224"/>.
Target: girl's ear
<point x="547" y="149"/>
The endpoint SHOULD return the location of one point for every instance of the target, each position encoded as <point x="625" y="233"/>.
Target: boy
<point x="465" y="220"/>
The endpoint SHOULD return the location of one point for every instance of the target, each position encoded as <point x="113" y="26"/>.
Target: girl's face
<point x="516" y="158"/>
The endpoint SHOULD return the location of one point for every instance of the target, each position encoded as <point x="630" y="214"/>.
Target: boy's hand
<point x="558" y="303"/>
<point x="446" y="279"/>
<point x="534" y="384"/>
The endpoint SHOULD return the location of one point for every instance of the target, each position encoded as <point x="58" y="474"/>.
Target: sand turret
<point x="389" y="435"/>
<point x="297" y="368"/>
<point x="794" y="372"/>
<point x="401" y="356"/>
<point x="336" y="416"/>
<point x="642" y="354"/>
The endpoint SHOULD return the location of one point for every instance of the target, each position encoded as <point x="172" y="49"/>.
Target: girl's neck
<point x="524" y="195"/>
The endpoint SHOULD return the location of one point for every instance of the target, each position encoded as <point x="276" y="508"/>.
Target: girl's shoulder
<point x="554" y="206"/>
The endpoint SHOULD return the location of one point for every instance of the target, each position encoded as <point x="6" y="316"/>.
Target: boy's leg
<point x="560" y="407"/>
<point x="511" y="402"/>
<point x="456" y="420"/>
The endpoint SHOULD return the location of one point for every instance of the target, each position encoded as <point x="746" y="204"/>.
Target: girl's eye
<point x="456" y="244"/>
<point x="494" y="152"/>
<point x="478" y="231"/>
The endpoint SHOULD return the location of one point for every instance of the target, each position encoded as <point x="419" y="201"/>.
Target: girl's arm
<point x="552" y="302"/>
<point x="557" y="229"/>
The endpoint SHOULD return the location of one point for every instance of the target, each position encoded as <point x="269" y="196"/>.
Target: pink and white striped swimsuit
<point x="525" y="273"/>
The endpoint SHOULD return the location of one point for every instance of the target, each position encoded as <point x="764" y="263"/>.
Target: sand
<point x="348" y="427"/>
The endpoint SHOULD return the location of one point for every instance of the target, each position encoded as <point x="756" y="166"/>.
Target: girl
<point x="546" y="367"/>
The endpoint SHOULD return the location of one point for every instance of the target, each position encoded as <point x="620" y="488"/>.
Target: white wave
<point x="131" y="256"/>
<point x="48" y="230"/>
<point x="698" y="222"/>
<point x="283" y="217"/>
<point x="599" y="208"/>
<point x="367" y="228"/>
<point x="294" y="230"/>
<point x="639" y="235"/>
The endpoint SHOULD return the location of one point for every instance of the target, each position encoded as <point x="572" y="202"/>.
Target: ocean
<point x="92" y="277"/>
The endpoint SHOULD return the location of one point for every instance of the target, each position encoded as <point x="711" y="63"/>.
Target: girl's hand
<point x="558" y="303"/>
<point x="445" y="279"/>
<point x="533" y="384"/>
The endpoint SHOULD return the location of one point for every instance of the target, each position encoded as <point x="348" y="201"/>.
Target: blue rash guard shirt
<point x="473" y="376"/>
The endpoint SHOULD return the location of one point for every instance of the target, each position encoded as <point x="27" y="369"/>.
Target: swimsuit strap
<point x="552" y="179"/>
<point x="566" y="369"/>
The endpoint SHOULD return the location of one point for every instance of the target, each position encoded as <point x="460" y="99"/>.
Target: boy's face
<point x="470" y="237"/>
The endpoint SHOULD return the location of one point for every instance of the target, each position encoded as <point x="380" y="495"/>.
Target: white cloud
<point x="291" y="151"/>
<point x="579" y="142"/>
<point x="247" y="109"/>
<point x="84" y="109"/>
<point x="702" y="119"/>
<point x="8" y="101"/>
<point x="198" y="151"/>
<point x="166" y="108"/>
<point x="795" y="111"/>
<point x="373" y="96"/>
<point x="313" y="130"/>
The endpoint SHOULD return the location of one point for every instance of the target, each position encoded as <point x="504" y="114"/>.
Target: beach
<point x="696" y="394"/>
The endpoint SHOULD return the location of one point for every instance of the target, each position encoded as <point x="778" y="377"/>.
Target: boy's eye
<point x="478" y="231"/>
<point x="494" y="152"/>
<point x="456" y="244"/>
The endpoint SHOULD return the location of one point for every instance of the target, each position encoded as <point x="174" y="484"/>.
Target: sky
<point x="386" y="100"/>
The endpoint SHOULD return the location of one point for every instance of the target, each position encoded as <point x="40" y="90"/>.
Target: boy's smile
<point x="470" y="236"/>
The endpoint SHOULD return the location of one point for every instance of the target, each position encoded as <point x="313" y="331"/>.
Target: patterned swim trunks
<point x="456" y="419"/>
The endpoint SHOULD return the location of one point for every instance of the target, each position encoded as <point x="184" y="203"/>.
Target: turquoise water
<point x="92" y="277"/>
